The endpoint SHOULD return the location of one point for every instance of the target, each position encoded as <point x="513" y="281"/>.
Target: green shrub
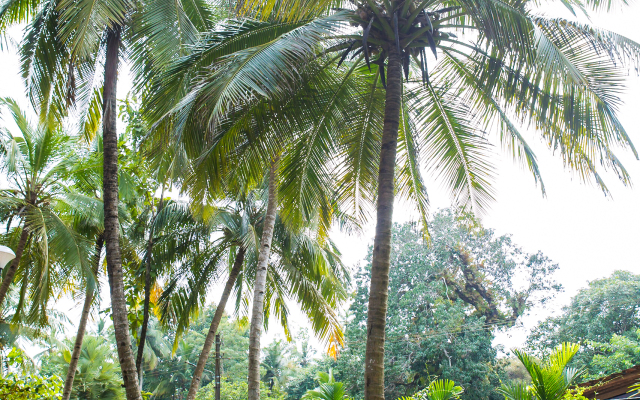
<point x="237" y="390"/>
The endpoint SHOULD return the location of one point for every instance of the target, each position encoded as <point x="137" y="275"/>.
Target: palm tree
<point x="82" y="325"/>
<point x="519" y="66"/>
<point x="37" y="162"/>
<point x="215" y="166"/>
<point x="172" y="236"/>
<point x="97" y="376"/>
<point x="63" y="43"/>
<point x="84" y="208"/>
<point x="147" y="287"/>
<point x="307" y="269"/>
<point x="259" y="287"/>
<point x="16" y="333"/>
<point x="278" y="364"/>
<point x="439" y="389"/>
<point x="87" y="215"/>
<point x="550" y="379"/>
<point x="328" y="389"/>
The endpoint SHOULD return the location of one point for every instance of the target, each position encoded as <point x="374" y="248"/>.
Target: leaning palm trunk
<point x="86" y="309"/>
<point x="13" y="267"/>
<point x="145" y="312"/>
<point x="147" y="292"/>
<point x="217" y="317"/>
<point x="257" y="312"/>
<point x="378" y="292"/>
<point x="111" y="223"/>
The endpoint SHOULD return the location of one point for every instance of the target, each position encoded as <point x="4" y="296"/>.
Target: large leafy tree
<point x="602" y="318"/>
<point x="514" y="66"/>
<point x="447" y="300"/>
<point x="61" y="54"/>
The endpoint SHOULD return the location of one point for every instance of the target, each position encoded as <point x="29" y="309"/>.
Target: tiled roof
<point x="614" y="386"/>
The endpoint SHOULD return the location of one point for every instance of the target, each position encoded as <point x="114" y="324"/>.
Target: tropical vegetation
<point x="255" y="130"/>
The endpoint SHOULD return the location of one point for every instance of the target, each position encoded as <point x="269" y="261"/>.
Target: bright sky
<point x="587" y="234"/>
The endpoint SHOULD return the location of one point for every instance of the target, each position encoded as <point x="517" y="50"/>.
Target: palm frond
<point x="457" y="153"/>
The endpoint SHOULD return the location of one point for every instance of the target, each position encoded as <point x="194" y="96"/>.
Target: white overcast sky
<point x="587" y="234"/>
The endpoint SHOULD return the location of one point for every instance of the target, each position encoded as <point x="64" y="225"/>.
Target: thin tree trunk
<point x="111" y="223"/>
<point x="147" y="291"/>
<point x="86" y="309"/>
<point x="13" y="267"/>
<point x="257" y="313"/>
<point x="378" y="292"/>
<point x="217" y="317"/>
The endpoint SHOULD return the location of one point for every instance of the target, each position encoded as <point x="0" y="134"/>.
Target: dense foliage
<point x="261" y="126"/>
<point x="604" y="318"/>
<point x="446" y="301"/>
<point x="30" y="387"/>
<point x="237" y="390"/>
<point x="19" y="383"/>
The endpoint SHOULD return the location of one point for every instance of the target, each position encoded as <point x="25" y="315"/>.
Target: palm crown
<point x="305" y="268"/>
<point x="324" y="68"/>
<point x="498" y="65"/>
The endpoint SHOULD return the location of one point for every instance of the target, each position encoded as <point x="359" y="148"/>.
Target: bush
<point x="237" y="390"/>
<point x="30" y="387"/>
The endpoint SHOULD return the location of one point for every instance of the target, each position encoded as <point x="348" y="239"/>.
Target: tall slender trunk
<point x="111" y="223"/>
<point x="147" y="291"/>
<point x="257" y="313"/>
<point x="378" y="291"/>
<point x="13" y="267"/>
<point x="86" y="309"/>
<point x="217" y="317"/>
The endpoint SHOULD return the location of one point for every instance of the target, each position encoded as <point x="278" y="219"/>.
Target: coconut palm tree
<point x="232" y="155"/>
<point x="82" y="325"/>
<point x="85" y="209"/>
<point x="168" y="235"/>
<point x="87" y="216"/>
<point x="469" y="67"/>
<point x="37" y="162"/>
<point x="16" y="333"/>
<point x="304" y="268"/>
<point x="60" y="57"/>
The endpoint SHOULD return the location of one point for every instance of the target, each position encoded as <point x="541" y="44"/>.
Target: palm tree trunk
<point x="147" y="292"/>
<point x="111" y="223"/>
<point x="378" y="292"/>
<point x="217" y="317"/>
<point x="13" y="267"/>
<point x="86" y="309"/>
<point x="257" y="313"/>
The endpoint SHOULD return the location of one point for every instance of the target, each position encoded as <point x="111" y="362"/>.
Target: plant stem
<point x="147" y="290"/>
<point x="217" y="317"/>
<point x="111" y="222"/>
<point x="82" y="326"/>
<point x="13" y="267"/>
<point x="257" y="313"/>
<point x="378" y="292"/>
